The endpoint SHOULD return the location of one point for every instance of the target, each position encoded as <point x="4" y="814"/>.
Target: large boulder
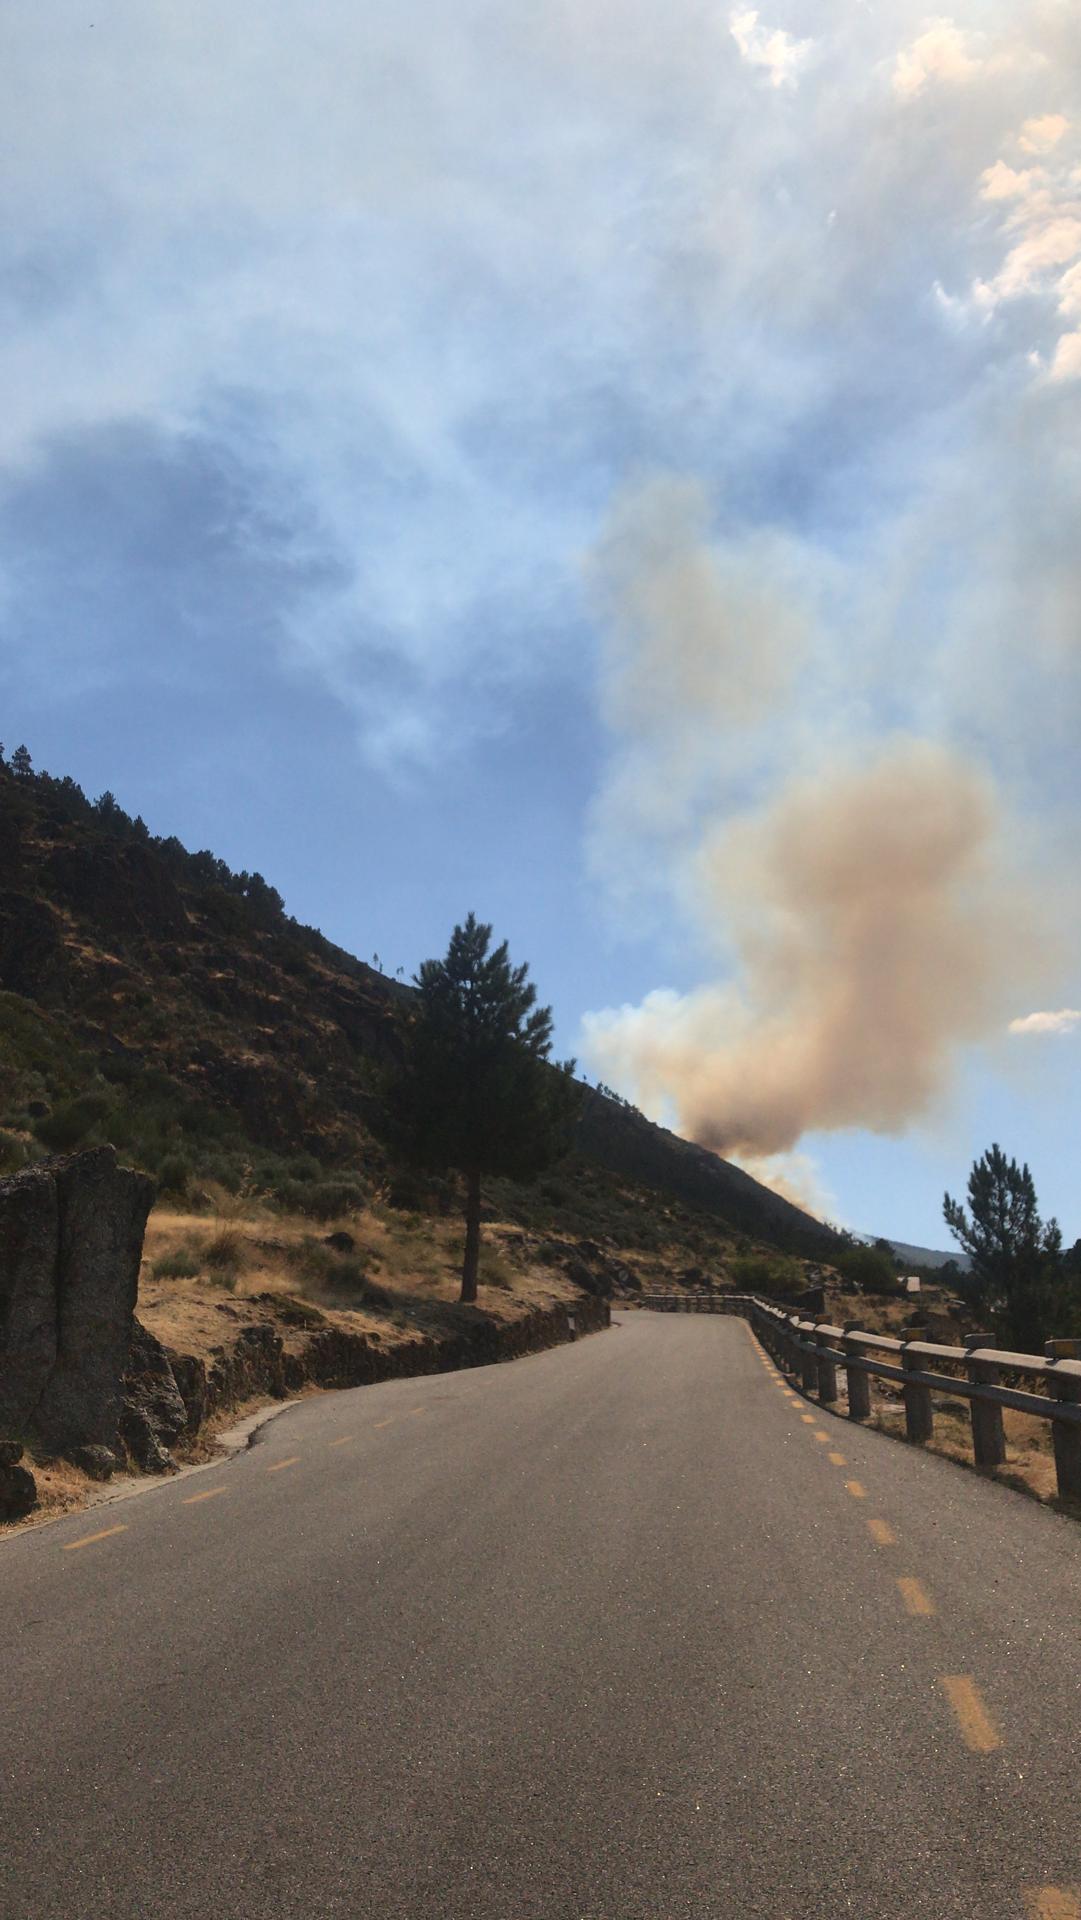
<point x="29" y="1251"/>
<point x="71" y="1238"/>
<point x="103" y="1211"/>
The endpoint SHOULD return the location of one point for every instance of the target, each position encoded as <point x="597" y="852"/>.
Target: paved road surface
<point x="605" y="1634"/>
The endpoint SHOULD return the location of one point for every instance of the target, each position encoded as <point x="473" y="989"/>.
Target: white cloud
<point x="1066" y="364"/>
<point x="1064" y="1021"/>
<point x="942" y="53"/>
<point x="1001" y="182"/>
<point x="779" y="53"/>
<point x="1043" y="132"/>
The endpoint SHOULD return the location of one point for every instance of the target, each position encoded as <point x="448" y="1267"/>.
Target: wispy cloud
<point x="778" y="53"/>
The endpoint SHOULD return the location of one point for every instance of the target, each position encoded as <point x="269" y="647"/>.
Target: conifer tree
<point x="1016" y="1256"/>
<point x="21" y="763"/>
<point x="478" y="1092"/>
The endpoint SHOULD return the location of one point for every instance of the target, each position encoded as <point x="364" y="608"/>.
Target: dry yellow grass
<point x="1030" y="1459"/>
<point x="397" y="1281"/>
<point x="62" y="1488"/>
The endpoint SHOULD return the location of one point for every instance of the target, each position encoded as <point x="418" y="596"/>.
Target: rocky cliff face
<point x="71" y="1238"/>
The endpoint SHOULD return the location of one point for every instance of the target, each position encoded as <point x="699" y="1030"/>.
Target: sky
<point x="612" y="468"/>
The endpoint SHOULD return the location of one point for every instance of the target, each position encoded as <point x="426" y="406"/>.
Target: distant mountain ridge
<point x="919" y="1256"/>
<point x="153" y="997"/>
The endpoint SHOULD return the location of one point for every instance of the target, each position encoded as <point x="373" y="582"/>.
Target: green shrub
<point x="223" y="1253"/>
<point x="868" y="1268"/>
<point x="321" y="1199"/>
<point x="180" y="1264"/>
<point x="69" y="1123"/>
<point x="174" y="1175"/>
<point x="12" y="1153"/>
<point x="773" y="1274"/>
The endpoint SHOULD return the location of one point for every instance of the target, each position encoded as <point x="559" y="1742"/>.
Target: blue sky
<point x="612" y="468"/>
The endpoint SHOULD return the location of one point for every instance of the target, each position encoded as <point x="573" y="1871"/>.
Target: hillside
<point x="152" y="998"/>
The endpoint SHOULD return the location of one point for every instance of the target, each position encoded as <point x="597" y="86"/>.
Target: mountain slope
<point x="151" y="997"/>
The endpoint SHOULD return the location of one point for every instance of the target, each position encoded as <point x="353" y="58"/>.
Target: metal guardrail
<point x="813" y="1351"/>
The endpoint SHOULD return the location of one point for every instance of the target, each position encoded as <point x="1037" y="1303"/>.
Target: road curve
<point x="610" y="1633"/>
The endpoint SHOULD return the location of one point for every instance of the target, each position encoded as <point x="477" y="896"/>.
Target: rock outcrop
<point x="71" y="1238"/>
<point x="153" y="1414"/>
<point x="18" y="1492"/>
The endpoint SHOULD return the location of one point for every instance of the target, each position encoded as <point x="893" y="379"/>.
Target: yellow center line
<point x="1053" y="1903"/>
<point x="211" y="1494"/>
<point x="856" y="1489"/>
<point x="280" y="1465"/>
<point x="838" y="1460"/>
<point x="819" y="1435"/>
<point x="418" y="1409"/>
<point x="916" y="1597"/>
<point x="385" y="1423"/>
<point x="88" y="1539"/>
<point x="882" y="1533"/>
<point x="808" y="1419"/>
<point x="978" y="1730"/>
<point x="346" y="1437"/>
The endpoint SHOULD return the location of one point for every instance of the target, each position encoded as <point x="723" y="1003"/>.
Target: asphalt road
<point x="605" y="1634"/>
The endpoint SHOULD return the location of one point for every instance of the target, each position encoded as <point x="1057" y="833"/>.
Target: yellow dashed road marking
<point x="1053" y="1903"/>
<point x="385" y="1423"/>
<point x="838" y="1460"/>
<point x="856" y="1489"/>
<point x="280" y="1465"/>
<point x="808" y="1419"/>
<point x="418" y="1409"/>
<point x="346" y="1437"/>
<point x="916" y="1597"/>
<point x="882" y="1533"/>
<point x="978" y="1730"/>
<point x="210" y="1494"/>
<point x="88" y="1539"/>
<point x="824" y="1437"/>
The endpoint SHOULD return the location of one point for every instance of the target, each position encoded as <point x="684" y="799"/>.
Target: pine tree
<point x="478" y="1092"/>
<point x="1016" y="1256"/>
<point x="21" y="763"/>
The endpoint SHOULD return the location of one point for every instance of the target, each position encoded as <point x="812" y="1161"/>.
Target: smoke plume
<point x="876" y="930"/>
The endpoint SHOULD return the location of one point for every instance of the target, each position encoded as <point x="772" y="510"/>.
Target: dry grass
<point x="62" y="1488"/>
<point x="399" y="1278"/>
<point x="1030" y="1459"/>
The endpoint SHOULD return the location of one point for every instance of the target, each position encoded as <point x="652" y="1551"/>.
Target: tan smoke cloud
<point x="702" y="642"/>
<point x="694" y="630"/>
<point x="877" y="930"/>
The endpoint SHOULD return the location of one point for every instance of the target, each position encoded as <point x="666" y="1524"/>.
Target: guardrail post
<point x="808" y="1363"/>
<point x="1065" y="1435"/>
<point x="859" y="1383"/>
<point x="827" y="1376"/>
<point x="919" y="1414"/>
<point x="988" y="1434"/>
